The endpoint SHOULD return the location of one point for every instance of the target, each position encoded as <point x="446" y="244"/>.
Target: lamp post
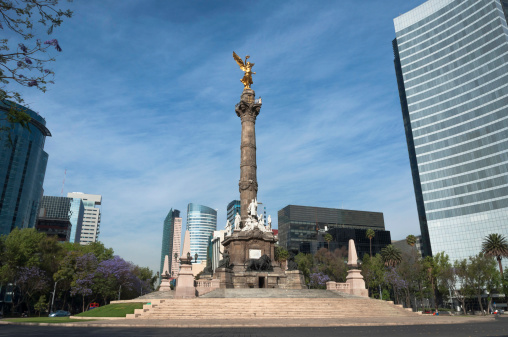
<point x="53" y="299"/>
<point x="196" y="258"/>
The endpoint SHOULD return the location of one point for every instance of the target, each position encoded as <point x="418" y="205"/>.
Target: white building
<point x="92" y="216"/>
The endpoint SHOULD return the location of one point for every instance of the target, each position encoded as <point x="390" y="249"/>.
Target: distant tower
<point x="61" y="217"/>
<point x="172" y="228"/>
<point x="92" y="218"/>
<point x="233" y="207"/>
<point x="22" y="169"/>
<point x="201" y="222"/>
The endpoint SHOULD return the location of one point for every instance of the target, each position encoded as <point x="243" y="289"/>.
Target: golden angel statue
<point x="247" y="67"/>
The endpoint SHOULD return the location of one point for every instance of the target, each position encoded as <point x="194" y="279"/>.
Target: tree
<point x="318" y="280"/>
<point x="495" y="245"/>
<point x="331" y="264"/>
<point x="305" y="265"/>
<point x="18" y="64"/>
<point x="328" y="238"/>
<point x="481" y="271"/>
<point x="411" y="240"/>
<point x="281" y="255"/>
<point x="391" y="256"/>
<point x="41" y="305"/>
<point x="373" y="271"/>
<point x="30" y="280"/>
<point x="83" y="280"/>
<point x="24" y="61"/>
<point x="370" y="235"/>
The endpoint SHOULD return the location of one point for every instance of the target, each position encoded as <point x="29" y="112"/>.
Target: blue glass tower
<point x="451" y="62"/>
<point x="201" y="222"/>
<point x="76" y="212"/>
<point x="22" y="169"/>
<point x="167" y="238"/>
<point x="234" y="207"/>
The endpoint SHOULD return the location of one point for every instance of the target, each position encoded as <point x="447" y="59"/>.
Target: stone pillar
<point x="185" y="282"/>
<point x="247" y="109"/>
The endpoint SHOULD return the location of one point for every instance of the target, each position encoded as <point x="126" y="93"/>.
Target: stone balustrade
<point x="205" y="286"/>
<point x="331" y="285"/>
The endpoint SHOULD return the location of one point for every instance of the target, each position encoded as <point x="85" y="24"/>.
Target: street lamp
<point x="195" y="257"/>
<point x="54" y="291"/>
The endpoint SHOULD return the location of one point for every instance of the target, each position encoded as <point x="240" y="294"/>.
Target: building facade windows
<point x="451" y="61"/>
<point x="201" y="223"/>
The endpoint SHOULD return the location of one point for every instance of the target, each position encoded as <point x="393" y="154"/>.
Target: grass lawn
<point x="46" y="320"/>
<point x="113" y="310"/>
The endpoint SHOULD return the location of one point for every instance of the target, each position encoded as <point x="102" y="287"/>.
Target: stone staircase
<point x="268" y="303"/>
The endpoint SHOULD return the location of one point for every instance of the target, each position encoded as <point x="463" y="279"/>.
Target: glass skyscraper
<point x="233" y="207"/>
<point x="168" y="233"/>
<point x="22" y="169"/>
<point x="451" y="62"/>
<point x="201" y="222"/>
<point x="61" y="217"/>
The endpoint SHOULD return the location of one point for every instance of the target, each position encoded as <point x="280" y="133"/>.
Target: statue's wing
<point x="238" y="60"/>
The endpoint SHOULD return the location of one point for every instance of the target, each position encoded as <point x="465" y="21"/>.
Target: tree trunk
<point x="500" y="267"/>
<point x="83" y="303"/>
<point x="370" y="245"/>
<point x="479" y="295"/>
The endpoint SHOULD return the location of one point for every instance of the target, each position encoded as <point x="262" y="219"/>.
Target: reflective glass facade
<point x="301" y="228"/>
<point x="201" y="222"/>
<point x="233" y="207"/>
<point x="22" y="170"/>
<point x="168" y="233"/>
<point x="451" y="62"/>
<point x="61" y="217"/>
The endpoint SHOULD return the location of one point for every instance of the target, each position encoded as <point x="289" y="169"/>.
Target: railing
<point x="331" y="285"/>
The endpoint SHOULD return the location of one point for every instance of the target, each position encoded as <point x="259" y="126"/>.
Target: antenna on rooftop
<point x="63" y="183"/>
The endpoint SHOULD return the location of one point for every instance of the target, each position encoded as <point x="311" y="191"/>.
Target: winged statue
<point x="247" y="67"/>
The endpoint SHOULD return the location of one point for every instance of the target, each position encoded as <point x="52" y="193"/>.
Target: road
<point x="498" y="327"/>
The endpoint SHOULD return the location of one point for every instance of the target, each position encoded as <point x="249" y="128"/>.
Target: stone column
<point x="248" y="109"/>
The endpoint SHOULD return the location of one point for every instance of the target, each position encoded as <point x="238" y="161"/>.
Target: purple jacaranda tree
<point x="117" y="274"/>
<point x="396" y="281"/>
<point x="86" y="268"/>
<point x="30" y="281"/>
<point x="318" y="280"/>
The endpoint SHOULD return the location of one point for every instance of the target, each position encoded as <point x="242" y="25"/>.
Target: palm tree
<point x="370" y="234"/>
<point x="411" y="240"/>
<point x="391" y="256"/>
<point x="328" y="238"/>
<point x="495" y="245"/>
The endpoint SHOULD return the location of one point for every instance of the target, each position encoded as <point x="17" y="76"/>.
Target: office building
<point x="201" y="222"/>
<point x="233" y="208"/>
<point x="405" y="248"/>
<point x="177" y="239"/>
<point x="92" y="216"/>
<point x="172" y="228"/>
<point x="61" y="217"/>
<point x="302" y="229"/>
<point x="22" y="169"/>
<point x="451" y="63"/>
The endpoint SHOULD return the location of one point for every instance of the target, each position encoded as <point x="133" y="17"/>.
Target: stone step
<point x="275" y="293"/>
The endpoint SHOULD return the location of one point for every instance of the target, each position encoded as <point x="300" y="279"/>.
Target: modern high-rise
<point x="92" y="217"/>
<point x="302" y="229"/>
<point x="233" y="207"/>
<point x="201" y="222"/>
<point x="451" y="62"/>
<point x="61" y="217"/>
<point x="22" y="168"/>
<point x="171" y="237"/>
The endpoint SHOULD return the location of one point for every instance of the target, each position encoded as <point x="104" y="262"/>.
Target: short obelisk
<point x="248" y="109"/>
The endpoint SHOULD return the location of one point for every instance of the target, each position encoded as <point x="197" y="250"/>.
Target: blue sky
<point x="142" y="111"/>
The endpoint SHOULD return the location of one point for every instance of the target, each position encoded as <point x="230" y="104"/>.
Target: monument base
<point x="165" y="285"/>
<point x="356" y="283"/>
<point x="244" y="248"/>
<point x="185" y="283"/>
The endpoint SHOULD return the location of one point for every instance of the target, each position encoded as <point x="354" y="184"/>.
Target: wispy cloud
<point x="143" y="111"/>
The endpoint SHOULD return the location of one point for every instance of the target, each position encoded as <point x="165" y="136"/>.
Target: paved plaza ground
<point x="478" y="327"/>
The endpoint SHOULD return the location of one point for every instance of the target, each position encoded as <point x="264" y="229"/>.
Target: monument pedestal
<point x="165" y="285"/>
<point x="247" y="270"/>
<point x="225" y="276"/>
<point x="356" y="283"/>
<point x="185" y="283"/>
